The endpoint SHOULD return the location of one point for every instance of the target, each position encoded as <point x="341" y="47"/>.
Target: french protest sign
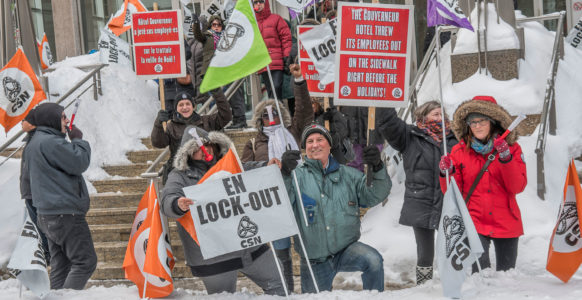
<point x="317" y="57"/>
<point x="113" y="50"/>
<point x="158" y="44"/>
<point x="373" y="56"/>
<point x="239" y="211"/>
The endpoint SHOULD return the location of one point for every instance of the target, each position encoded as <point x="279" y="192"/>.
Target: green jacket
<point x="332" y="199"/>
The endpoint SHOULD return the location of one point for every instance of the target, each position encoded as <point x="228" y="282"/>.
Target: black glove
<point x="371" y="157"/>
<point x="289" y="161"/>
<point x="163" y="116"/>
<point x="286" y="63"/>
<point x="75" y="133"/>
<point x="328" y="115"/>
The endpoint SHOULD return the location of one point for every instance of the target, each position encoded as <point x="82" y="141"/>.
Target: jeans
<point x="424" y="246"/>
<point x="73" y="257"/>
<point x="355" y="257"/>
<point x="277" y="82"/>
<point x="33" y="217"/>
<point x="505" y="253"/>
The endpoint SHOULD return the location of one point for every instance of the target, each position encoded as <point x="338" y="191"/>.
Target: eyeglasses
<point x="216" y="25"/>
<point x="258" y="1"/>
<point x="474" y="123"/>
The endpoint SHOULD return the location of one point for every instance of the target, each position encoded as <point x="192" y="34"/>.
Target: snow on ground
<point x="115" y="123"/>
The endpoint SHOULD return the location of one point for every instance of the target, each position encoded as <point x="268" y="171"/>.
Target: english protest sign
<point x="239" y="211"/>
<point x="373" y="54"/>
<point x="308" y="70"/>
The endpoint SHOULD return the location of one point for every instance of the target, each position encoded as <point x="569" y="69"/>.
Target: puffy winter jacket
<point x="492" y="205"/>
<point x="358" y="124"/>
<point x="332" y="198"/>
<point x="423" y="198"/>
<point x="276" y="35"/>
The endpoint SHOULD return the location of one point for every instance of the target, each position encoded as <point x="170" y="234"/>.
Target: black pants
<point x="237" y="104"/>
<point x="277" y="82"/>
<point x="424" y="246"/>
<point x="73" y="257"/>
<point x="505" y="253"/>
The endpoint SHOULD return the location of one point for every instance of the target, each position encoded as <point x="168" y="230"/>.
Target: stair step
<point x="143" y="156"/>
<point x="147" y="142"/>
<point x="129" y="185"/>
<point x="121" y="215"/>
<point x="113" y="200"/>
<point x="121" y="232"/>
<point x="114" y="252"/>
<point x="133" y="170"/>
<point x="241" y="137"/>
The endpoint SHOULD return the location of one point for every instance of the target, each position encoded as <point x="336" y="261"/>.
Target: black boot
<point x="423" y="274"/>
<point x="238" y="124"/>
<point x="284" y="256"/>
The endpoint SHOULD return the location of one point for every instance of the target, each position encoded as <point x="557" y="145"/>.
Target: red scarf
<point x="434" y="129"/>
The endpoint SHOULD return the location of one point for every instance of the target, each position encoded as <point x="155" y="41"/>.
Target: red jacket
<point x="277" y="36"/>
<point x="492" y="206"/>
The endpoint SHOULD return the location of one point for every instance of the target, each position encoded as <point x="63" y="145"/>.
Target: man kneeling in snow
<point x="332" y="195"/>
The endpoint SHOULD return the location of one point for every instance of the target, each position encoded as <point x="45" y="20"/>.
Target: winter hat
<point x="49" y="115"/>
<point x="30" y="117"/>
<point x="212" y="18"/>
<point x="315" y="128"/>
<point x="183" y="96"/>
<point x="188" y="145"/>
<point x="475" y="115"/>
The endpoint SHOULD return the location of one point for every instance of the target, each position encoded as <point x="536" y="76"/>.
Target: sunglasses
<point x="216" y="24"/>
<point x="258" y="1"/>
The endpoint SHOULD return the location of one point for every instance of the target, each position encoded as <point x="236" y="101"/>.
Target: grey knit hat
<point x="315" y="128"/>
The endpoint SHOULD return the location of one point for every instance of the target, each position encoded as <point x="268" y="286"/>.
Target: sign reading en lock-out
<point x="374" y="53"/>
<point x="240" y="211"/>
<point x="158" y="39"/>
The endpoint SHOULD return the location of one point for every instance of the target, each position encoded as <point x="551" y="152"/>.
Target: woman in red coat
<point x="277" y="37"/>
<point x="478" y="125"/>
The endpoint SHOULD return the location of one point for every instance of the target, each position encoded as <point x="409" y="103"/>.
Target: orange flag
<point x="565" y="253"/>
<point x="20" y="90"/>
<point x="149" y="257"/>
<point x="44" y="51"/>
<point x="228" y="164"/>
<point x="121" y="21"/>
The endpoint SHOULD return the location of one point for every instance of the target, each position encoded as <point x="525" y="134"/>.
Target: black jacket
<point x="423" y="199"/>
<point x="358" y="124"/>
<point x="338" y="130"/>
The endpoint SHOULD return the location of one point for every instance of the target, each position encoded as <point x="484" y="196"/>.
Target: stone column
<point x="67" y="25"/>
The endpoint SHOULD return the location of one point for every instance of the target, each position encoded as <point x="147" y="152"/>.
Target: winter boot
<point x="423" y="274"/>
<point x="284" y="256"/>
<point x="238" y="123"/>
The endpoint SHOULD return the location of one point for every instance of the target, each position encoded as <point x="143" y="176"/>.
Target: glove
<point x="328" y="115"/>
<point x="286" y="63"/>
<point x="371" y="157"/>
<point x="163" y="116"/>
<point x="446" y="164"/>
<point x="75" y="133"/>
<point x="502" y="148"/>
<point x="289" y="161"/>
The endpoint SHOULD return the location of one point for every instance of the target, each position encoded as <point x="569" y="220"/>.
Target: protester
<point x="277" y="37"/>
<point x="358" y="131"/>
<point x="195" y="66"/>
<point x="210" y="39"/>
<point x="332" y="195"/>
<point x="342" y="149"/>
<point x="273" y="139"/>
<point x="29" y="126"/>
<point x="478" y="125"/>
<point x="421" y="146"/>
<point x="219" y="274"/>
<point x="186" y="116"/>
<point x="60" y="196"/>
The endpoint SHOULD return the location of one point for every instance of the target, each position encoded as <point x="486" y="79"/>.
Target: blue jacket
<point x="56" y="167"/>
<point x="332" y="199"/>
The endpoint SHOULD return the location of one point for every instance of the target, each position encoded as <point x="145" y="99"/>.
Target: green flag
<point x="241" y="50"/>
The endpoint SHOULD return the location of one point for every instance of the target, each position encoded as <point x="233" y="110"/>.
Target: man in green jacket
<point x="332" y="195"/>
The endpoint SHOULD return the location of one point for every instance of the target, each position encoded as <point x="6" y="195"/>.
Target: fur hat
<point x="260" y="109"/>
<point x="484" y="105"/>
<point x="315" y="128"/>
<point x="189" y="145"/>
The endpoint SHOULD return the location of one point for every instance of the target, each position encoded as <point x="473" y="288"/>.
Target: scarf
<point x="434" y="129"/>
<point x="480" y="147"/>
<point x="216" y="37"/>
<point x="277" y="135"/>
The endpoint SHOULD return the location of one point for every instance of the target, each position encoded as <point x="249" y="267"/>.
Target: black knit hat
<point x="183" y="96"/>
<point x="49" y="114"/>
<point x="315" y="128"/>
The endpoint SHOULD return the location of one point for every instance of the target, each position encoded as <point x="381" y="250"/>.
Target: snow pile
<point x="12" y="215"/>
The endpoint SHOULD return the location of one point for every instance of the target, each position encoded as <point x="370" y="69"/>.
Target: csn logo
<point x="247" y="230"/>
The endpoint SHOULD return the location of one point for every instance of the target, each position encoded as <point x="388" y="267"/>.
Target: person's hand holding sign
<point x="184" y="203"/>
<point x="295" y="71"/>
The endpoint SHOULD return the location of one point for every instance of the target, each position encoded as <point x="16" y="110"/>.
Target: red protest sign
<point x="308" y="69"/>
<point x="373" y="58"/>
<point x="158" y="49"/>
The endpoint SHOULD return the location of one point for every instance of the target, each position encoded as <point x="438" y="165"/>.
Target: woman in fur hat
<point x="478" y="124"/>
<point x="218" y="274"/>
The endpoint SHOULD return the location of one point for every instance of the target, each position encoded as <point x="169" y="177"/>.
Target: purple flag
<point x="293" y="14"/>
<point x="446" y="12"/>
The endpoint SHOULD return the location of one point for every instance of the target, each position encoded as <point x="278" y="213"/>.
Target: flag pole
<point x="279" y="270"/>
<point x="307" y="261"/>
<point x="438" y="57"/>
<point x="19" y="289"/>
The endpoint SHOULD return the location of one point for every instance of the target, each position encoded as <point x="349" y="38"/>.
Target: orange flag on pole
<point x="121" y="21"/>
<point x="20" y="90"/>
<point x="565" y="253"/>
<point x="44" y="52"/>
<point x="149" y="257"/>
<point x="228" y="164"/>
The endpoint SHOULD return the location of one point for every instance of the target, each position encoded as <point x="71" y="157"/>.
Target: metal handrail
<point x="96" y="84"/>
<point x="549" y="110"/>
<point x="149" y="173"/>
